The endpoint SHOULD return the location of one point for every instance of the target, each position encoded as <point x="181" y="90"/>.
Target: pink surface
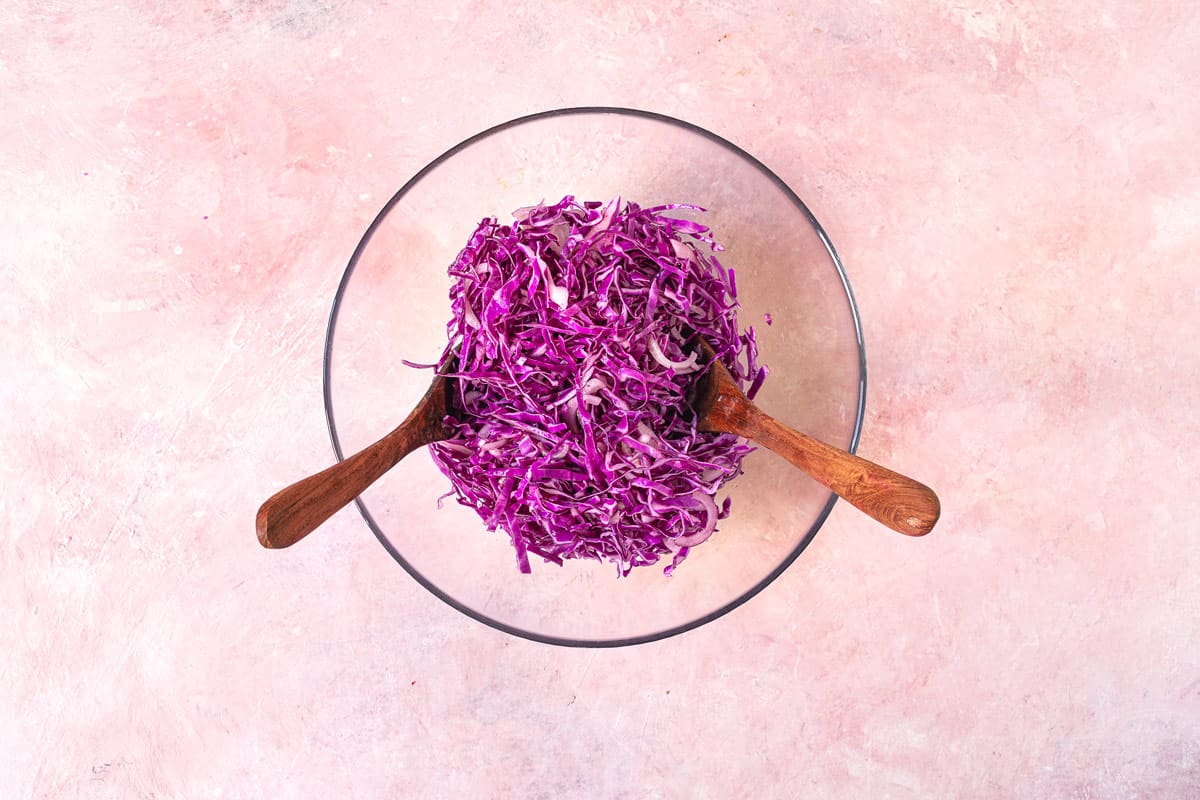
<point x="1014" y="189"/>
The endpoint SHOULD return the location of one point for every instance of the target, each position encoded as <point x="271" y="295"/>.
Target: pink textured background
<point x="1015" y="189"/>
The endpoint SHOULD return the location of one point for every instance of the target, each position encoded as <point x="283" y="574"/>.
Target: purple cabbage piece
<point x="573" y="339"/>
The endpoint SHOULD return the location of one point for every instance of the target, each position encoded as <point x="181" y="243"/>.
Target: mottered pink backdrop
<point x="1014" y="188"/>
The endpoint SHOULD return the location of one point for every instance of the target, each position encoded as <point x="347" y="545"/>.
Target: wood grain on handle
<point x="294" y="512"/>
<point x="901" y="503"/>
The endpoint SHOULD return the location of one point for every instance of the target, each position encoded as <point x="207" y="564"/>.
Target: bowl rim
<point x="478" y="616"/>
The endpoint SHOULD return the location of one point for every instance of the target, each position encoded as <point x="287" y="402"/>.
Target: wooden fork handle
<point x="899" y="502"/>
<point x="294" y="512"/>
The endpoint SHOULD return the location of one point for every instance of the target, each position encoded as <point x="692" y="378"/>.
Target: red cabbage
<point x="573" y="338"/>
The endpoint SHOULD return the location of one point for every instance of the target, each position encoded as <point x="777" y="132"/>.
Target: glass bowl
<point x="392" y="304"/>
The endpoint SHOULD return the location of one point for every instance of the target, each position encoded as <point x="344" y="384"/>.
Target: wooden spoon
<point x="899" y="502"/>
<point x="294" y="512"/>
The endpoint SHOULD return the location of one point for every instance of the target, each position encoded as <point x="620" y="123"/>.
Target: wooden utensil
<point x="897" y="501"/>
<point x="294" y="512"/>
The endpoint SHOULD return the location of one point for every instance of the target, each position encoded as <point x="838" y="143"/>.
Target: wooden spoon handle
<point x="294" y="512"/>
<point x="897" y="501"/>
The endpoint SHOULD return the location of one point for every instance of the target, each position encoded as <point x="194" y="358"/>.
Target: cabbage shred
<point x="573" y="339"/>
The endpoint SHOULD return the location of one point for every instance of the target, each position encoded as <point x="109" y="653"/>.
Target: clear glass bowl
<point x="392" y="303"/>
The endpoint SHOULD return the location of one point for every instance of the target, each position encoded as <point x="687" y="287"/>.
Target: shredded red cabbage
<point x="573" y="338"/>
